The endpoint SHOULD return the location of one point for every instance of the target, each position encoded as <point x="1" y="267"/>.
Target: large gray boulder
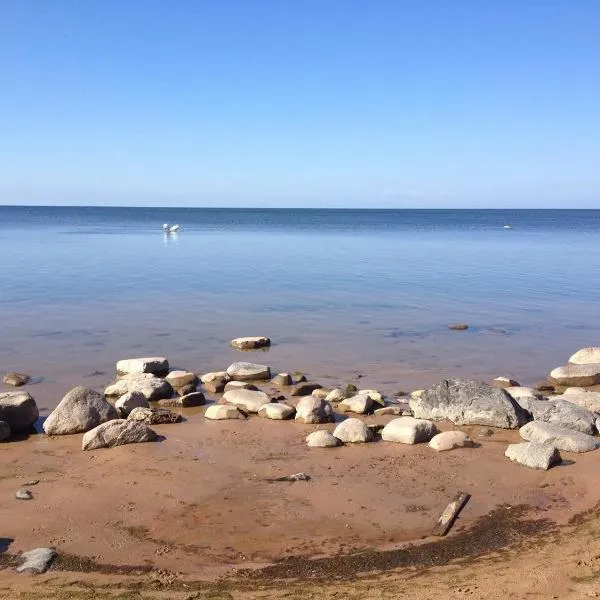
<point x="468" y="402"/>
<point x="562" y="438"/>
<point x="151" y="387"/>
<point x="565" y="414"/>
<point x="157" y="365"/>
<point x="582" y="375"/>
<point x="19" y="410"/>
<point x="80" y="410"/>
<point x="245" y="371"/>
<point x="533" y="455"/>
<point x="353" y="431"/>
<point x="586" y="356"/>
<point x="313" y="410"/>
<point x="117" y="433"/>
<point x="249" y="401"/>
<point x="408" y="430"/>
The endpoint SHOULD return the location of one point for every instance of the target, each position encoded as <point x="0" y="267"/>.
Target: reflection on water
<point x="170" y="237"/>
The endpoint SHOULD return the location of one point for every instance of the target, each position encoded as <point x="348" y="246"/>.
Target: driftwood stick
<point x="451" y="512"/>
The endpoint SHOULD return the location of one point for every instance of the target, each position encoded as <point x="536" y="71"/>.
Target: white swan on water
<point x="170" y="228"/>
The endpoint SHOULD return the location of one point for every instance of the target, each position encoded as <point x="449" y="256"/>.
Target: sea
<point x="344" y="295"/>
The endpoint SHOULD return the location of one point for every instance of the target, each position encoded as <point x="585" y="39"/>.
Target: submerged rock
<point x="583" y="375"/>
<point x="37" y="560"/>
<point x="157" y="365"/>
<point x="250" y="343"/>
<point x="322" y="439"/>
<point x="468" y="402"/>
<point x="154" y="416"/>
<point x="533" y="455"/>
<point x="117" y="433"/>
<point x="19" y="410"/>
<point x="353" y="431"/>
<point x="408" y="430"/>
<point x="245" y="371"/>
<point x="313" y="410"/>
<point x="449" y="440"/>
<point x="80" y="410"/>
<point x="560" y="437"/>
<point x="16" y="379"/>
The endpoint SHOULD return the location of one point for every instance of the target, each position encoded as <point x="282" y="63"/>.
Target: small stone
<point x="250" y="343"/>
<point x="322" y="439"/>
<point x="533" y="455"/>
<point x="276" y="411"/>
<point x="353" y="431"/>
<point x="187" y="401"/>
<point x="360" y="404"/>
<point x="36" y="561"/>
<point x="178" y="379"/>
<point x="126" y="403"/>
<point x="217" y="385"/>
<point x="23" y="494"/>
<point x="304" y="389"/>
<point x="244" y="371"/>
<point x="458" y="326"/>
<point x="218" y="412"/>
<point x="408" y="430"/>
<point x="16" y="379"/>
<point x="157" y="365"/>
<point x="449" y="440"/>
<point x="154" y="416"/>
<point x="282" y="380"/>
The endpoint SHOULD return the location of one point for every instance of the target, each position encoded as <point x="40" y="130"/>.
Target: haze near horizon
<point x="385" y="104"/>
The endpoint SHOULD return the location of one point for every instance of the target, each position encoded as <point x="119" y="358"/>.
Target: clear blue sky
<point x="300" y="103"/>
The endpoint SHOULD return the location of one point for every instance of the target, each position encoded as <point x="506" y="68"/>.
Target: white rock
<point x="376" y="397"/>
<point x="276" y="411"/>
<point x="322" y="439"/>
<point x="239" y="385"/>
<point x="571" y="375"/>
<point x="586" y="356"/>
<point x="360" y="404"/>
<point x="147" y="384"/>
<point x="408" y="430"/>
<point x="214" y="375"/>
<point x="178" y="379"/>
<point x="18" y="410"/>
<point x="519" y="392"/>
<point x="417" y="393"/>
<point x="320" y="393"/>
<point x="117" y="433"/>
<point x="395" y="409"/>
<point x="244" y="371"/>
<point x="157" y="365"/>
<point x="250" y="343"/>
<point x="36" y="561"/>
<point x="313" y="410"/>
<point x="533" y="455"/>
<point x="248" y="400"/>
<point x="449" y="440"/>
<point x="127" y="402"/>
<point x="336" y="395"/>
<point x="218" y="412"/>
<point x="560" y="437"/>
<point x="353" y="431"/>
<point x="588" y="400"/>
<point x="504" y="382"/>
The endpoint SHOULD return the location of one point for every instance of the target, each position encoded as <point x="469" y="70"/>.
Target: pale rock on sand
<point x="276" y="411"/>
<point x="468" y="402"/>
<point x="179" y="379"/>
<point x="320" y="393"/>
<point x="313" y="410"/>
<point x="239" y="385"/>
<point x="376" y="397"/>
<point x="157" y="365"/>
<point x="335" y="395"/>
<point x="154" y="416"/>
<point x="588" y="400"/>
<point x="117" y="433"/>
<point x="250" y="401"/>
<point x="219" y="412"/>
<point x="582" y="375"/>
<point x="586" y="356"/>
<point x="80" y="410"/>
<point x="18" y="410"/>
<point x="151" y="387"/>
<point x="395" y="409"/>
<point x="353" y="431"/>
<point x="16" y="379"/>
<point x="305" y="389"/>
<point x="565" y="414"/>
<point x="360" y="404"/>
<point x="504" y="382"/>
<point x="245" y="371"/>
<point x="533" y="455"/>
<point x="322" y="439"/>
<point x="251" y="343"/>
<point x="208" y="377"/>
<point x="560" y="437"/>
<point x="282" y="380"/>
<point x="449" y="440"/>
<point x="187" y="401"/>
<point x="36" y="561"/>
<point x="127" y="402"/>
<point x="4" y="431"/>
<point x="408" y="430"/>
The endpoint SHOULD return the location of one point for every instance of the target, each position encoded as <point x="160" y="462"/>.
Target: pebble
<point x="24" y="494"/>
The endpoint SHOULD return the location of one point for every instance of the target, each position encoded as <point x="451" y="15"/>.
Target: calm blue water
<point x="335" y="289"/>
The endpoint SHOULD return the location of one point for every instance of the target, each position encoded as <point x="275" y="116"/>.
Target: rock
<point x="249" y="400"/>
<point x="320" y="393"/>
<point x="19" y="410"/>
<point x="212" y="376"/>
<point x="276" y="411"/>
<point x="217" y="385"/>
<point x="376" y="397"/>
<point x="126" y="403"/>
<point x="4" y="431"/>
<point x="250" y="343"/>
<point x="350" y="390"/>
<point x="219" y="412"/>
<point x="179" y="379"/>
<point x="36" y="561"/>
<point x="187" y="401"/>
<point x="416" y="394"/>
<point x="449" y="440"/>
<point x="239" y="385"/>
<point x="23" y="494"/>
<point x="16" y="379"/>
<point x="322" y="439"/>
<point x="80" y="410"/>
<point x="517" y="392"/>
<point x="583" y="375"/>
<point x="396" y="409"/>
<point x="336" y="395"/>
<point x="298" y="377"/>
<point x="504" y="382"/>
<point x="458" y="326"/>
<point x="304" y="389"/>
<point x="533" y="455"/>
<point x="408" y="430"/>
<point x="468" y="402"/>
<point x="282" y="380"/>
<point x="117" y="433"/>
<point x="353" y="431"/>
<point x="244" y="371"/>
<point x="184" y="390"/>
<point x="565" y="414"/>
<point x="562" y="438"/>
<point x="543" y="386"/>
<point x="154" y="416"/>
<point x="157" y="365"/>
<point x="486" y="432"/>
<point x="313" y="410"/>
<point x="360" y="404"/>
<point x="147" y="384"/>
<point x="586" y="356"/>
<point x="588" y="400"/>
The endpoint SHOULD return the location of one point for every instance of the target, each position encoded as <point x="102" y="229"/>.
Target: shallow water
<point x="336" y="290"/>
